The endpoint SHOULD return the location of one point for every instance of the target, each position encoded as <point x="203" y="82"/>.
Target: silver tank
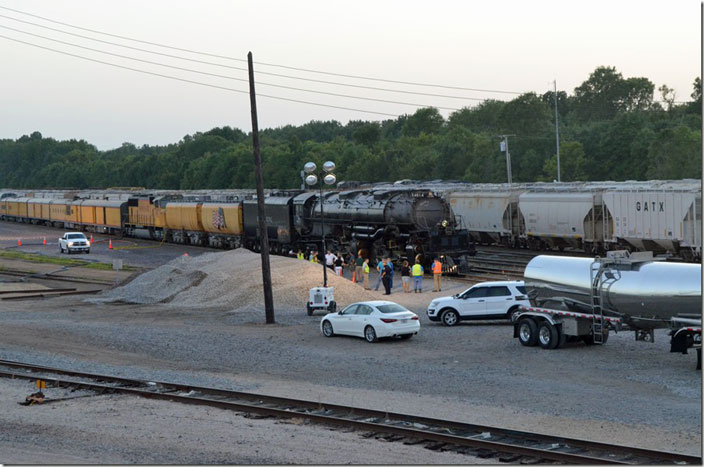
<point x="650" y="290"/>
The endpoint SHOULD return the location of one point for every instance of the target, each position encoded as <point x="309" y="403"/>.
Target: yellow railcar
<point x="183" y="221"/>
<point x="103" y="215"/>
<point x="17" y="208"/>
<point x="59" y="210"/>
<point x="223" y="224"/>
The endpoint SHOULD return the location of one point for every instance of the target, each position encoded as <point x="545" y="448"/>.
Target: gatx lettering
<point x="650" y="206"/>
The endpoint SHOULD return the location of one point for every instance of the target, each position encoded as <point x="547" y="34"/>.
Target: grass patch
<point x="37" y="258"/>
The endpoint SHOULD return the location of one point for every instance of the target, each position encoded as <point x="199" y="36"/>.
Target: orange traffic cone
<point x="44" y="242"/>
<point x="91" y="239"/>
<point x="110" y="245"/>
<point x="19" y="242"/>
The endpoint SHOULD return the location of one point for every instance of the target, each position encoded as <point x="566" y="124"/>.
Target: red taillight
<point x="311" y="303"/>
<point x="388" y="320"/>
<point x="415" y="318"/>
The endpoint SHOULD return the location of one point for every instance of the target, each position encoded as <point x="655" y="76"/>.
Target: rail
<point x="509" y="445"/>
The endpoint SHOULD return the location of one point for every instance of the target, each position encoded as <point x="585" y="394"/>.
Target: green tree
<point x="572" y="163"/>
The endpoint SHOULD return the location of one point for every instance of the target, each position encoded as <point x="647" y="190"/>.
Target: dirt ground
<point x="627" y="392"/>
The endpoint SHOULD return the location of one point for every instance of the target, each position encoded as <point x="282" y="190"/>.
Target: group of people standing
<point x="360" y="270"/>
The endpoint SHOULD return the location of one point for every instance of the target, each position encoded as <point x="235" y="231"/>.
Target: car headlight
<point x="70" y="243"/>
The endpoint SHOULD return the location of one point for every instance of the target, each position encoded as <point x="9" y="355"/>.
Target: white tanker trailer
<point x="583" y="299"/>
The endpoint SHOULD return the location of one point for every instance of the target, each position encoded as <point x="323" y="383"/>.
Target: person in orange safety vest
<point x="437" y="275"/>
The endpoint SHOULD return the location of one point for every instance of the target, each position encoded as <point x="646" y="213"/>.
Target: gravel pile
<point x="232" y="280"/>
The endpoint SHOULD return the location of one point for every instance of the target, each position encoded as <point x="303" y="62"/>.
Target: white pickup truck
<point x="74" y="241"/>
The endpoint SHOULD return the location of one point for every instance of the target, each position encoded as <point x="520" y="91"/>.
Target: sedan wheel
<point x="450" y="318"/>
<point x="327" y="329"/>
<point x="370" y="334"/>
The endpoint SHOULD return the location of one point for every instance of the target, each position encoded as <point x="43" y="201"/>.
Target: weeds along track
<point x="483" y="441"/>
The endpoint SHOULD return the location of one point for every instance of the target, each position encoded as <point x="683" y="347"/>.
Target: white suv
<point x="74" y="241"/>
<point x="487" y="300"/>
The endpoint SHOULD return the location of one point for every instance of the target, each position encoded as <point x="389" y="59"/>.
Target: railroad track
<point x="483" y="441"/>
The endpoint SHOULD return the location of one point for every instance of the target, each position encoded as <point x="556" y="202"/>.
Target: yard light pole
<point x="328" y="178"/>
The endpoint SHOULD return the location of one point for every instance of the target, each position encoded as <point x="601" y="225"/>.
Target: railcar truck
<point x="585" y="299"/>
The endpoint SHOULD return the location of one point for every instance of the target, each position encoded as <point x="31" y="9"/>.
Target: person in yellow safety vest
<point x="417" y="273"/>
<point x="300" y="255"/>
<point x="437" y="275"/>
<point x="365" y="269"/>
<point x="314" y="257"/>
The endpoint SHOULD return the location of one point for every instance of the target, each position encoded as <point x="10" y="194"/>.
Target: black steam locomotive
<point x="400" y="223"/>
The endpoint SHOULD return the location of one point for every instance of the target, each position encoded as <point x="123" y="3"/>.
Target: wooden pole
<point x="263" y="237"/>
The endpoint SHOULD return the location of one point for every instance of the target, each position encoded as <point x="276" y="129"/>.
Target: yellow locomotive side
<point x="147" y="214"/>
<point x="222" y="218"/>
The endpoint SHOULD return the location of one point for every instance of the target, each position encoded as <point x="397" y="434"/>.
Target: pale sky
<point x="515" y="46"/>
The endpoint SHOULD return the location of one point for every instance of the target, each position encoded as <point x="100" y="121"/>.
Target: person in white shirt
<point x="330" y="260"/>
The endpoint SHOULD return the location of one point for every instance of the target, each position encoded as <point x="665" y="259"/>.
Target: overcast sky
<point x="513" y="46"/>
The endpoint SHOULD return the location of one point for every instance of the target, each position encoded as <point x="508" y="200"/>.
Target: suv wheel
<point x="450" y="318"/>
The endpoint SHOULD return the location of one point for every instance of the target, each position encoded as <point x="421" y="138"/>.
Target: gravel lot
<point x="630" y="392"/>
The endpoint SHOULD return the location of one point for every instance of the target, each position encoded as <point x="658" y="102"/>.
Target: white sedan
<point x="372" y="320"/>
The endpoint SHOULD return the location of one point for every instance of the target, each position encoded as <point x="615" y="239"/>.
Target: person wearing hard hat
<point x="437" y="275"/>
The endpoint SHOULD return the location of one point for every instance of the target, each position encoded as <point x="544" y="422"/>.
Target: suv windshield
<point x="391" y="308"/>
<point x="76" y="236"/>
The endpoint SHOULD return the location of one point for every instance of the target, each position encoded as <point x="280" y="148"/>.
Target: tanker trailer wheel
<point x="528" y="332"/>
<point x="548" y="337"/>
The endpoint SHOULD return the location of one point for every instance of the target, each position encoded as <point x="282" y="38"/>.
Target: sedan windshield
<point x="391" y="308"/>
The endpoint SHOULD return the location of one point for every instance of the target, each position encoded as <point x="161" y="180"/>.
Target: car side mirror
<point x="339" y="312"/>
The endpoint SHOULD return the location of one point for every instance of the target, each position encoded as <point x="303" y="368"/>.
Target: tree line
<point x="610" y="128"/>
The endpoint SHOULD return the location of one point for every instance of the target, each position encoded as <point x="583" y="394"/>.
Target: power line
<point x="237" y="68"/>
<point x="413" y="104"/>
<point x="196" y="82"/>
<point x="259" y="63"/>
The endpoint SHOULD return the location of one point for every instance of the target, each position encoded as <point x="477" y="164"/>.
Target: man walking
<point x="437" y="275"/>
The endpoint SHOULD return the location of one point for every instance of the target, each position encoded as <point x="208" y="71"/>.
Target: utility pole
<point x="504" y="148"/>
<point x="263" y="234"/>
<point x="557" y="134"/>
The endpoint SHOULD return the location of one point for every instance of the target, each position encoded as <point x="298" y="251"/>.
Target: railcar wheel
<point x="548" y="336"/>
<point x="327" y="329"/>
<point x="370" y="334"/>
<point x="450" y="318"/>
<point x="528" y="332"/>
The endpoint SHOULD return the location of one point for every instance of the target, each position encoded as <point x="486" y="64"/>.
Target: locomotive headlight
<point x="309" y="168"/>
<point x="330" y="179"/>
<point x="329" y="166"/>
